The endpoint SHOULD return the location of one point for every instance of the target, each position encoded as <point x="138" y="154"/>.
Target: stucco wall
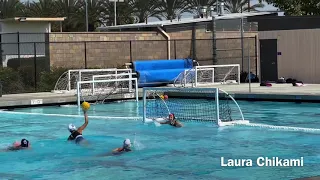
<point x="300" y="53"/>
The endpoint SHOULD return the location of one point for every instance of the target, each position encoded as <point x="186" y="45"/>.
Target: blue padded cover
<point x="162" y="64"/>
<point x="159" y="76"/>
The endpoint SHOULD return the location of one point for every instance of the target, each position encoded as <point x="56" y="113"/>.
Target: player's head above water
<point x="72" y="127"/>
<point x="24" y="143"/>
<point x="127" y="144"/>
<point x="172" y="116"/>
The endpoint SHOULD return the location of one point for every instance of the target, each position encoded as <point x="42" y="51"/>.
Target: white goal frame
<point x="82" y="71"/>
<point x="107" y="80"/>
<point x="198" y="90"/>
<point x="94" y="77"/>
<point x="212" y="68"/>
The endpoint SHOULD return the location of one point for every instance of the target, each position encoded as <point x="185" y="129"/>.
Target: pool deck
<point x="278" y="92"/>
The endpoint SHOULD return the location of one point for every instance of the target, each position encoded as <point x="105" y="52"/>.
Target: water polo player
<point x="23" y="144"/>
<point x="76" y="134"/>
<point x="172" y="121"/>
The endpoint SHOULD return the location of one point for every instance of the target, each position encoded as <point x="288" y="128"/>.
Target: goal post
<point x="191" y="104"/>
<point x="100" y="90"/>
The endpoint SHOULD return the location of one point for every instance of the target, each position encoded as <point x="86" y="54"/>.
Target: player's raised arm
<point x="86" y="121"/>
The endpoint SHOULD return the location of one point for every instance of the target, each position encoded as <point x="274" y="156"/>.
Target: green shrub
<point x="11" y="81"/>
<point x="48" y="79"/>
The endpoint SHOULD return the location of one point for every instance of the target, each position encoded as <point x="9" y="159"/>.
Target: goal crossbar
<point x="79" y="83"/>
<point x="94" y="77"/>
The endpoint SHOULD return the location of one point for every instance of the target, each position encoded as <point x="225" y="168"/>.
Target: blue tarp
<point x="154" y="72"/>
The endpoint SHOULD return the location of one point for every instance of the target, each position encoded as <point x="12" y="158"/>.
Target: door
<point x="269" y="60"/>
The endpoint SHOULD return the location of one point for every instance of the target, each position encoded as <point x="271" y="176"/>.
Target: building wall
<point x="300" y="53"/>
<point x="104" y="49"/>
<point x="26" y="33"/>
<point x="228" y="45"/>
<point x="112" y="49"/>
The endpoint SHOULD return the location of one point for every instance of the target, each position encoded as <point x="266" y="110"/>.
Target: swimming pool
<point x="192" y="152"/>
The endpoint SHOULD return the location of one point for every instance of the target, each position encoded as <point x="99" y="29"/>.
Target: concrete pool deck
<point x="278" y="92"/>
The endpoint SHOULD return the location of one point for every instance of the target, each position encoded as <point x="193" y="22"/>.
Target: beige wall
<point x="300" y="53"/>
<point x="68" y="49"/>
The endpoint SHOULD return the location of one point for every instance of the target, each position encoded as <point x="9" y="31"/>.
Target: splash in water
<point x="137" y="144"/>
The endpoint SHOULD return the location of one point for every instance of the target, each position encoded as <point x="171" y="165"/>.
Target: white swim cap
<point x="127" y="142"/>
<point x="72" y="127"/>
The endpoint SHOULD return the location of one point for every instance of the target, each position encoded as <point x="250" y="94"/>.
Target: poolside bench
<point x="159" y="72"/>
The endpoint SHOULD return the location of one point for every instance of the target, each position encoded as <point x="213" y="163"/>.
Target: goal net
<point x="98" y="91"/>
<point x="209" y="75"/>
<point x="191" y="104"/>
<point x="67" y="82"/>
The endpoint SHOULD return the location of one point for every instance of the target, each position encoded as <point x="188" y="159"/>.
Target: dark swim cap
<point x="24" y="143"/>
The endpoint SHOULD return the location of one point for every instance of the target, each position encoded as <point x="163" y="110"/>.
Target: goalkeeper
<point x="172" y="121"/>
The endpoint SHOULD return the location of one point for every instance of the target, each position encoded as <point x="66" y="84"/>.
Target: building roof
<point x="33" y="19"/>
<point x="186" y="21"/>
<point x="277" y="23"/>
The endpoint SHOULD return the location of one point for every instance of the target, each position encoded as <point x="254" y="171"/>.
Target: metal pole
<point x="249" y="67"/>
<point x="87" y="20"/>
<point x="175" y="49"/>
<point x="214" y="42"/>
<point x="115" y="12"/>
<point x="35" y="65"/>
<point x="217" y="106"/>
<point x="144" y="105"/>
<point x="136" y="89"/>
<point x="242" y="46"/>
<point x="85" y="55"/>
<point x="256" y="53"/>
<point x="18" y="39"/>
<point x="130" y="51"/>
<point x="78" y="95"/>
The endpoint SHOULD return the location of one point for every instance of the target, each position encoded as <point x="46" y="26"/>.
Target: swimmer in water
<point x="172" y="121"/>
<point x="125" y="148"/>
<point x="23" y="144"/>
<point x="76" y="134"/>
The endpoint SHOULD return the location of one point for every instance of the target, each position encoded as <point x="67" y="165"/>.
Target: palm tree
<point x="10" y="8"/>
<point x="143" y="9"/>
<point x="42" y="8"/>
<point x="68" y="9"/>
<point x="124" y="13"/>
<point x="237" y="6"/>
<point x="171" y="9"/>
<point x="95" y="10"/>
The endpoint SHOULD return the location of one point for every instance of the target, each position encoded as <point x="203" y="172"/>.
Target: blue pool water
<point x="192" y="152"/>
